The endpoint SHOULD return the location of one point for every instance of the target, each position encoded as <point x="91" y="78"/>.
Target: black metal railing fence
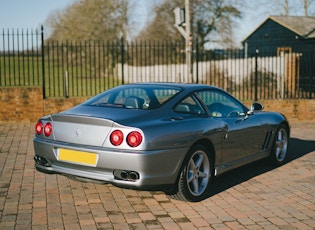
<point x="85" y="68"/>
<point x="20" y="58"/>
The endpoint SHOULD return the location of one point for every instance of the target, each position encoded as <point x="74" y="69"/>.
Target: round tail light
<point x="134" y="139"/>
<point x="39" y="128"/>
<point x="116" y="137"/>
<point x="48" y="129"/>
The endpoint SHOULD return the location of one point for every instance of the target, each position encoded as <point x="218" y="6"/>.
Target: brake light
<point x="134" y="139"/>
<point x="48" y="129"/>
<point x="116" y="137"/>
<point x="39" y="128"/>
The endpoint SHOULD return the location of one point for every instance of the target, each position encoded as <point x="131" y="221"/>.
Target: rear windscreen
<point x="135" y="97"/>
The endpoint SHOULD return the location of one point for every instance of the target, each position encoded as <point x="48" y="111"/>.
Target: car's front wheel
<point x="196" y="175"/>
<point x="280" y="145"/>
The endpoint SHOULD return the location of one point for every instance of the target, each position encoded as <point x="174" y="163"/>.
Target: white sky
<point x="30" y="14"/>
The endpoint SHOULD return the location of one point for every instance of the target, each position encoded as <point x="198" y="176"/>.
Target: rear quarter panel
<point x="184" y="133"/>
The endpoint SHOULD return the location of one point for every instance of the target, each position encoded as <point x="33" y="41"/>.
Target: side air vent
<point x="267" y="140"/>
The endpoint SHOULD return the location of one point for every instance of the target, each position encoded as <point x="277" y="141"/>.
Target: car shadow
<point x="297" y="149"/>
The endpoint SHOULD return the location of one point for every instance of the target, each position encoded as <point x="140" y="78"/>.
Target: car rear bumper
<point x="133" y="169"/>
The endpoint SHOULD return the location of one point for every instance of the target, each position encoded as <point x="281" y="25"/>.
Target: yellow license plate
<point x="77" y="157"/>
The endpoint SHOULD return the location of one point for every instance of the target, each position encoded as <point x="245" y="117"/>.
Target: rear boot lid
<point x="81" y="130"/>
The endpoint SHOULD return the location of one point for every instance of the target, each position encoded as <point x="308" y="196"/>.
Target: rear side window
<point x="163" y="95"/>
<point x="189" y="105"/>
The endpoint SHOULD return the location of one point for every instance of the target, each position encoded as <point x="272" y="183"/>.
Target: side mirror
<point x="255" y="107"/>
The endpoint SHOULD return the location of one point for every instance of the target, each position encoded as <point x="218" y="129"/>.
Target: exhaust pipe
<point x="126" y="175"/>
<point x="133" y="176"/>
<point x="41" y="161"/>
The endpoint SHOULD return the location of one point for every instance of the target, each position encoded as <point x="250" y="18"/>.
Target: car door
<point x="242" y="135"/>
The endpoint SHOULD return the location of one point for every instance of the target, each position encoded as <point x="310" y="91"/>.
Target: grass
<point x="82" y="80"/>
<point x="20" y="71"/>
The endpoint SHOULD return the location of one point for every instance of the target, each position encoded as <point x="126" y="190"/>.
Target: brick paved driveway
<point x="253" y="197"/>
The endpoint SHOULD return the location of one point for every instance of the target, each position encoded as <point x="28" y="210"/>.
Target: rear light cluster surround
<point x="133" y="138"/>
<point x="116" y="137"/>
<point x="45" y="129"/>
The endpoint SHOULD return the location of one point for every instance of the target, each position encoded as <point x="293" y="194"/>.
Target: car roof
<point x="191" y="86"/>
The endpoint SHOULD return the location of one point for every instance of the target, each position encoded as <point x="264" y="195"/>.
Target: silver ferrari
<point x="162" y="136"/>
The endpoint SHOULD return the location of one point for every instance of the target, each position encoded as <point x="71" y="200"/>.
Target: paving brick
<point x="257" y="196"/>
<point x="147" y="216"/>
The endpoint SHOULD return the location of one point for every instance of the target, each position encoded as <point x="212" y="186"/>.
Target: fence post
<point x="43" y="62"/>
<point x="66" y="84"/>
<point x="312" y="73"/>
<point x="256" y="74"/>
<point x="122" y="48"/>
<point x="197" y="60"/>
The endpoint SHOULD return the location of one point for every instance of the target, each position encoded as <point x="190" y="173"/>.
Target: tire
<point x="280" y="146"/>
<point x="196" y="176"/>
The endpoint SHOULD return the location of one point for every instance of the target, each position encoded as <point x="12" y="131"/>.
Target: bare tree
<point x="283" y="6"/>
<point x="289" y="7"/>
<point x="91" y="20"/>
<point x="211" y="21"/>
<point x="161" y="25"/>
<point x="271" y="7"/>
<point x="307" y="6"/>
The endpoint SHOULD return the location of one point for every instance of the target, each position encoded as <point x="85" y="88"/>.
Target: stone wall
<point x="20" y="104"/>
<point x="27" y="104"/>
